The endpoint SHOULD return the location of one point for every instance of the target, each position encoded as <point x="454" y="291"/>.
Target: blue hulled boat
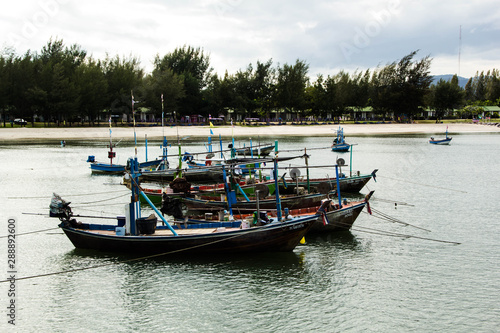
<point x="445" y="141"/>
<point x="339" y="144"/>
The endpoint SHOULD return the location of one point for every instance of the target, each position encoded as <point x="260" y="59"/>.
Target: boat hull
<point x="191" y="175"/>
<point x="342" y="148"/>
<point x="118" y="169"/>
<point x="441" y="142"/>
<point x="277" y="237"/>
<point x="264" y="151"/>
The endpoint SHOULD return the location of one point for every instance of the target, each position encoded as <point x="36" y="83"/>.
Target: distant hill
<point x="462" y="81"/>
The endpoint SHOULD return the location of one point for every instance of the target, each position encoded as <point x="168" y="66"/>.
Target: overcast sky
<point x="328" y="35"/>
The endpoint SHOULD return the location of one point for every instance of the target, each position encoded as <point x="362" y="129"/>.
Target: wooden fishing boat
<point x="207" y="191"/>
<point x="339" y="144"/>
<point x="201" y="205"/>
<point x="223" y="238"/>
<point x="333" y="216"/>
<point x="142" y="235"/>
<point x="118" y="169"/>
<point x="352" y="184"/>
<point x="254" y="151"/>
<point x="445" y="141"/>
<point x="194" y="175"/>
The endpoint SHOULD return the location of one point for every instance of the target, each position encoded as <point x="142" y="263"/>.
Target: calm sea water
<point x="350" y="282"/>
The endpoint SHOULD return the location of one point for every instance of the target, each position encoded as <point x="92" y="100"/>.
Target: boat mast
<point x="111" y="154"/>
<point x="133" y="117"/>
<point x="276" y="185"/>
<point x="164" y="146"/>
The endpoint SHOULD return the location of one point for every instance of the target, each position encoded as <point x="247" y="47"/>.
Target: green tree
<point x="93" y="90"/>
<point x="5" y="82"/>
<point x="402" y="86"/>
<point x="493" y="86"/>
<point x="469" y="91"/>
<point x="163" y="83"/>
<point x="193" y="66"/>
<point x="22" y="81"/>
<point x="446" y="96"/>
<point x="123" y="76"/>
<point x="291" y="83"/>
<point x="264" y="86"/>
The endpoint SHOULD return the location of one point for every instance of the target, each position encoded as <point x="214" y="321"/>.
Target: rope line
<point x="395" y="220"/>
<point x="392" y="201"/>
<point x="128" y="260"/>
<point x="395" y="234"/>
<point x="30" y="232"/>
<point x="103" y="200"/>
<point x="407" y="181"/>
<point x="69" y="195"/>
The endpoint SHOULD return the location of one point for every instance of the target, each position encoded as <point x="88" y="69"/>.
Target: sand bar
<point x="102" y="133"/>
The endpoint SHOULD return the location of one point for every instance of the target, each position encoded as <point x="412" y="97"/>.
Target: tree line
<point x="64" y="83"/>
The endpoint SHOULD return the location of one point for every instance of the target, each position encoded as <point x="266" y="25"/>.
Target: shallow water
<point x="348" y="282"/>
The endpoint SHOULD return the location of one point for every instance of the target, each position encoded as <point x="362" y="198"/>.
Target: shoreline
<point x="28" y="134"/>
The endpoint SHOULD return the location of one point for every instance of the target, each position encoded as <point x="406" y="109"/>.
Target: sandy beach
<point x="102" y="133"/>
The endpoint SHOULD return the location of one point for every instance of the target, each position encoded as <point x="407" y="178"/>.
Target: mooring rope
<point x="104" y="200"/>
<point x="439" y="187"/>
<point x="68" y="195"/>
<point x="30" y="232"/>
<point x="395" y="234"/>
<point x="389" y="218"/>
<point x="128" y="260"/>
<point x="400" y="203"/>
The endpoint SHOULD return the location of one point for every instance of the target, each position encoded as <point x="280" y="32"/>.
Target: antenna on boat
<point x="111" y="154"/>
<point x="133" y="117"/>
<point x="164" y="145"/>
<point x="162" y="117"/>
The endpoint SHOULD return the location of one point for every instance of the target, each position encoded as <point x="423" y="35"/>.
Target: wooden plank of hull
<point x="281" y="237"/>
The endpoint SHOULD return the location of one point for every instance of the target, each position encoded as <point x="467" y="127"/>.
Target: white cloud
<point x="328" y="35"/>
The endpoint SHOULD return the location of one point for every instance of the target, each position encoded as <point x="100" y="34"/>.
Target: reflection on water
<point x="349" y="281"/>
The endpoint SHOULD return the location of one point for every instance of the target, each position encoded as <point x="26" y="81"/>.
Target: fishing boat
<point x="134" y="234"/>
<point x="206" y="191"/>
<point x="200" y="205"/>
<point x="199" y="175"/>
<point x="261" y="151"/>
<point x="116" y="169"/>
<point x="352" y="184"/>
<point x="445" y="141"/>
<point x="339" y="144"/>
<point x="333" y="216"/>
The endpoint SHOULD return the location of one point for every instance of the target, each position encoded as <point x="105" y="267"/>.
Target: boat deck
<point x="167" y="232"/>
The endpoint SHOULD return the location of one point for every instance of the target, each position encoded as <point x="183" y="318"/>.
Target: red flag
<point x="368" y="207"/>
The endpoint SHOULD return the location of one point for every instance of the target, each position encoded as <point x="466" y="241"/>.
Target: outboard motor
<point x="61" y="209"/>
